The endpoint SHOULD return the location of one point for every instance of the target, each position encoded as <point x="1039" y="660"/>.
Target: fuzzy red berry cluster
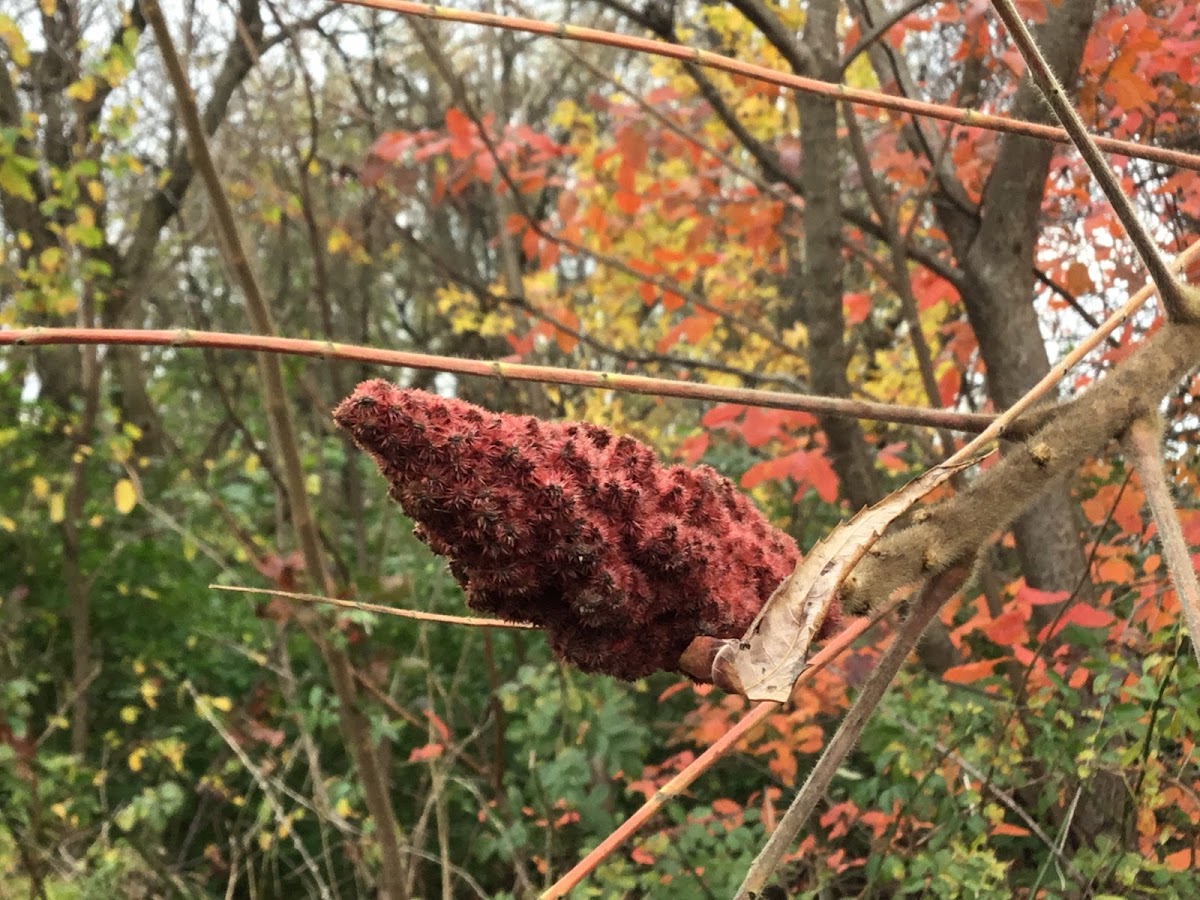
<point x="567" y="526"/>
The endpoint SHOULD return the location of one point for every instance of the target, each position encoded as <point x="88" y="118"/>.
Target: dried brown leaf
<point x="769" y="658"/>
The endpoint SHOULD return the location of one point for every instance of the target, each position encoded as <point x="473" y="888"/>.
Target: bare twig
<point x="605" y="381"/>
<point x="675" y="787"/>
<point x="1173" y="298"/>
<point x="1142" y="441"/>
<point x="1005" y="798"/>
<point x="354" y="726"/>
<point x="467" y="621"/>
<point x="967" y="117"/>
<point x="269" y="794"/>
<point x="930" y="601"/>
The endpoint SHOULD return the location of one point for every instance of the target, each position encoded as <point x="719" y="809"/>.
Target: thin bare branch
<point x="600" y="380"/>
<point x="678" y="784"/>
<point x="844" y="739"/>
<point x="967" y="117"/>
<point x="361" y="606"/>
<point x="1174" y="299"/>
<point x="1143" y="442"/>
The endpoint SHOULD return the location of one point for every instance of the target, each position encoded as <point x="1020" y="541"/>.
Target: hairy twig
<point x="951" y="533"/>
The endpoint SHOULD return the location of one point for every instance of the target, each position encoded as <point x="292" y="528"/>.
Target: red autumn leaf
<point x="568" y="205"/>
<point x="521" y="345"/>
<point x="1003" y="828"/>
<point x="627" y="202"/>
<point x="529" y="244"/>
<point x="808" y="468"/>
<point x="485" y="168"/>
<point x="1033" y="10"/>
<point x="439" y="726"/>
<point x="566" y="337"/>
<point x="948" y="386"/>
<point x="390" y="145"/>
<point x="460" y="128"/>
<point x="1115" y="569"/>
<point x="1082" y="615"/>
<point x="1087" y="617"/>
<point x="1008" y="628"/>
<point x="820" y="476"/>
<point x="1029" y="596"/>
<point x="633" y="146"/>
<point x="931" y="289"/>
<point x="642" y="856"/>
<point x="969" y="673"/>
<point x="723" y="806"/>
<point x="809" y="739"/>
<point x="768" y="470"/>
<point x="760" y="425"/>
<point x="726" y="413"/>
<point x="856" y="307"/>
<point x="426" y="753"/>
<point x="1180" y="860"/>
<point x="645" y="787"/>
<point x="1078" y="279"/>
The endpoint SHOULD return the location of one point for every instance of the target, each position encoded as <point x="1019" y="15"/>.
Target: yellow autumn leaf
<point x="129" y="714"/>
<point x="312" y="484"/>
<point x="11" y="35"/>
<point x="224" y="704"/>
<point x="338" y="240"/>
<point x="124" y="496"/>
<point x="83" y="90"/>
<point x="40" y="486"/>
<point x="8" y="524"/>
<point x="149" y="692"/>
<point x="95" y="190"/>
<point x="135" y="759"/>
<point x="58" y="508"/>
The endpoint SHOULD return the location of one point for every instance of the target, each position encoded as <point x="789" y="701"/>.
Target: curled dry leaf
<point x="769" y="658"/>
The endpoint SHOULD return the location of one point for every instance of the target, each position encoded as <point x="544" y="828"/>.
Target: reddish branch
<point x="767" y="75"/>
<point x="623" y="561"/>
<point x="607" y="381"/>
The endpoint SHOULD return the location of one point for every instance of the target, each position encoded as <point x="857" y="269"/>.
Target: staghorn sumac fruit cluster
<point x="622" y="560"/>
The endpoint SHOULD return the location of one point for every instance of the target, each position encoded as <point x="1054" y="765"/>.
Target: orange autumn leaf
<point x="1001" y="829"/>
<point x="1008" y="628"/>
<point x="968" y="673"/>
<point x="426" y="753"/>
